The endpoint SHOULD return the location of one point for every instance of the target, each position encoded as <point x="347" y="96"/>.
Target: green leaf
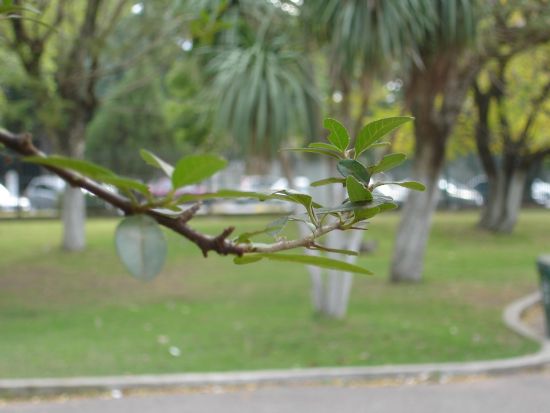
<point x="323" y="145"/>
<point x="376" y="130"/>
<point x="356" y="190"/>
<point x="388" y="206"/>
<point x="153" y="160"/>
<point x="354" y="168"/>
<point x="125" y="183"/>
<point x="338" y="136"/>
<point x="273" y="228"/>
<point x="317" y="261"/>
<point x="303" y="199"/>
<point x="89" y="169"/>
<point x="141" y="246"/>
<point x="416" y="186"/>
<point x="196" y="168"/>
<point x="92" y="171"/>
<point x="388" y="162"/>
<point x="363" y="214"/>
<point x="318" y="151"/>
<point x="247" y="259"/>
<point x="377" y="201"/>
<point x="222" y="193"/>
<point x="335" y="250"/>
<point x="328" y="181"/>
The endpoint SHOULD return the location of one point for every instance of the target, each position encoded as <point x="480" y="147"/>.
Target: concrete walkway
<point x="511" y="394"/>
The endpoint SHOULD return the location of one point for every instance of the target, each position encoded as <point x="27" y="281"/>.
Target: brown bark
<point x="435" y="94"/>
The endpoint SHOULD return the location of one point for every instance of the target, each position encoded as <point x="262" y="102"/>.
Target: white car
<point x="8" y="202"/>
<point x="540" y="192"/>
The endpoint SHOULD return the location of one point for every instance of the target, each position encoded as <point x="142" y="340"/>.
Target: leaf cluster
<point x="141" y="244"/>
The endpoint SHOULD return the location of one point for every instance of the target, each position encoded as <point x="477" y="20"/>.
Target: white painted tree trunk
<point x="73" y="212"/>
<point x="330" y="290"/>
<point x="73" y="215"/>
<point x="414" y="229"/>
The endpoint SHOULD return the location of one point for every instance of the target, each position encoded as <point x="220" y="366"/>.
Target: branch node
<point x="189" y="213"/>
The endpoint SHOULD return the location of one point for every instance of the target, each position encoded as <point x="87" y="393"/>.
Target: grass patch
<point x="81" y="314"/>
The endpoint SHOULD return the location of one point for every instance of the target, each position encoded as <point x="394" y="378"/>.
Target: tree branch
<point x="536" y="107"/>
<point x="22" y="144"/>
<point x="482" y="131"/>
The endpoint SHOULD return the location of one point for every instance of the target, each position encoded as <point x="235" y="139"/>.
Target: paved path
<point x="526" y="393"/>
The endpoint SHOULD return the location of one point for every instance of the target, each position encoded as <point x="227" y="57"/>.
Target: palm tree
<point x="261" y="88"/>
<point x="263" y="93"/>
<point x="435" y="91"/>
<point x="427" y="39"/>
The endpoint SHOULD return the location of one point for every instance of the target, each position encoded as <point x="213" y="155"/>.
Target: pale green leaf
<point x="328" y="181"/>
<point x="222" y="193"/>
<point x="416" y="186"/>
<point x="274" y="228"/>
<point x="153" y="160"/>
<point x="141" y="246"/>
<point x="323" y="145"/>
<point x="318" y="151"/>
<point x="318" y="261"/>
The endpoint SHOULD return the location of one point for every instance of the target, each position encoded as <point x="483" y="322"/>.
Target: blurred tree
<point x="129" y="119"/>
<point x="435" y="90"/>
<point x="149" y="108"/>
<point x="260" y="84"/>
<point x="512" y="98"/>
<point x="360" y="40"/>
<point x="63" y="54"/>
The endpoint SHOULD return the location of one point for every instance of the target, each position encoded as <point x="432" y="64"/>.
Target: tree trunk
<point x="435" y="94"/>
<point x="414" y="229"/>
<point x="73" y="212"/>
<point x="512" y="204"/>
<point x="504" y="203"/>
<point x="330" y="290"/>
<point x="73" y="216"/>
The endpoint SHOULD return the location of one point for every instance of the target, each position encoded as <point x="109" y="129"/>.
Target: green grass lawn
<point x="81" y="314"/>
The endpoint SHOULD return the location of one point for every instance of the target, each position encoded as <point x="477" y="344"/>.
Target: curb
<point x="511" y="317"/>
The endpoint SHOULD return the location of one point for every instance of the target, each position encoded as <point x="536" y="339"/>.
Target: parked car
<point x="540" y="192"/>
<point x="162" y="186"/>
<point x="396" y="192"/>
<point x="480" y="184"/>
<point x="456" y="195"/>
<point x="8" y="202"/>
<point x="45" y="192"/>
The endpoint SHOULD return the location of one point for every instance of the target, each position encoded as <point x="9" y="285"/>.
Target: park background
<point x="101" y="80"/>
